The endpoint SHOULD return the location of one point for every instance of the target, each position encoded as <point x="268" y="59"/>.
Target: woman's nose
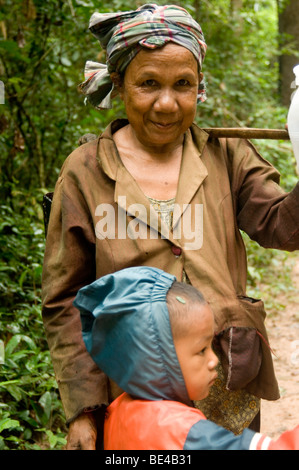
<point x="166" y="101"/>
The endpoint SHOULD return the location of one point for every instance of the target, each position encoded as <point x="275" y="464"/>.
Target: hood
<point x="126" y="330"/>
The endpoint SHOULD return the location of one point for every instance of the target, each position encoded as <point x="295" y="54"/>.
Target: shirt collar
<point x="128" y="193"/>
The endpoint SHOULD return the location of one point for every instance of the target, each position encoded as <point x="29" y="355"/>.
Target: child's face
<point x="195" y="354"/>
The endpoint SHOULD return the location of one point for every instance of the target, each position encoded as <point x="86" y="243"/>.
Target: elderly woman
<point x="156" y="190"/>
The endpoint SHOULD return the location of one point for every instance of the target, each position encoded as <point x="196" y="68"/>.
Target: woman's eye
<point x="182" y="82"/>
<point x="149" y="83"/>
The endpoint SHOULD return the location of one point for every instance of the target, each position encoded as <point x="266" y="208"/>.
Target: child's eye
<point x="202" y="351"/>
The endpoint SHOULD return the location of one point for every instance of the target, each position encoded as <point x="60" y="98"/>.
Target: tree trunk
<point x="235" y="5"/>
<point x="288" y="11"/>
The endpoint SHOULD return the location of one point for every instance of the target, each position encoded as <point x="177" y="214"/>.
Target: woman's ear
<point x="118" y="82"/>
<point x="200" y="77"/>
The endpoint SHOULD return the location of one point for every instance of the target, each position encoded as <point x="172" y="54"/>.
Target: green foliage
<point x="43" y="54"/>
<point x="241" y="65"/>
<point x="43" y="49"/>
<point x="29" y="404"/>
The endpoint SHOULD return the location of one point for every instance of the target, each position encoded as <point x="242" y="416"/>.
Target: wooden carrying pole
<point x="248" y="133"/>
<point x="233" y="132"/>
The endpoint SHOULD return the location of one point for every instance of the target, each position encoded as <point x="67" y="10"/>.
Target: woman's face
<point x="160" y="94"/>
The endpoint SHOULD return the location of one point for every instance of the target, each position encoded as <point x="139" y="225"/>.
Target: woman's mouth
<point x="164" y="125"/>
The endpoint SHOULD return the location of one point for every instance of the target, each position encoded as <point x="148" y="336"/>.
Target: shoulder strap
<point x="47" y="199"/>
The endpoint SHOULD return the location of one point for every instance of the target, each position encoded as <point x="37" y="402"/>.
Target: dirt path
<point x="283" y="331"/>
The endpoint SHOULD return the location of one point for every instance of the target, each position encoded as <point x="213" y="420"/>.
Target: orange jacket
<point x="133" y="424"/>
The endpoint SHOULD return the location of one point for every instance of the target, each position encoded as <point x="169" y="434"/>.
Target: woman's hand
<point x="82" y="433"/>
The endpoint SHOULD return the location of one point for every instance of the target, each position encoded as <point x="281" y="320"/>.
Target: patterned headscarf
<point x="123" y="34"/>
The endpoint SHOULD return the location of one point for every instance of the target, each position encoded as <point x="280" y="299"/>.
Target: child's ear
<point x="118" y="82"/>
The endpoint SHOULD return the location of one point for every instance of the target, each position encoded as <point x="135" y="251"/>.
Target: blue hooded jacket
<point x="126" y="330"/>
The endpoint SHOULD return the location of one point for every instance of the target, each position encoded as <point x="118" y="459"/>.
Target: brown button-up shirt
<point x="96" y="228"/>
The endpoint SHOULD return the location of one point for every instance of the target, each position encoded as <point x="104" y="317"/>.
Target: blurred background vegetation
<point x="43" y="48"/>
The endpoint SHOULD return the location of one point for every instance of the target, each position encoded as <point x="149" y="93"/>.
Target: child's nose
<point x="213" y="361"/>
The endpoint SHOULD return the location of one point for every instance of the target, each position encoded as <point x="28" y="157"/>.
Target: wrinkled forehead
<point x="171" y="57"/>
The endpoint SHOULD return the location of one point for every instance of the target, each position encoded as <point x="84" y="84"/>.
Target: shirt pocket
<point x="240" y="354"/>
<point x="241" y="348"/>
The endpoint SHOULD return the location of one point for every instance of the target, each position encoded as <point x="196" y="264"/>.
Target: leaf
<point x="8" y="382"/>
<point x="16" y="340"/>
<point x="65" y="61"/>
<point x="13" y="50"/>
<point x="25" y="416"/>
<point x="16" y="392"/>
<point x="52" y="438"/>
<point x="40" y="415"/>
<point x="10" y="46"/>
<point x="46" y="403"/>
<point x="23" y="277"/>
<point x="8" y="424"/>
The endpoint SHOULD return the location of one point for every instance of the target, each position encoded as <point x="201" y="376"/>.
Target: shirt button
<point x="176" y="250"/>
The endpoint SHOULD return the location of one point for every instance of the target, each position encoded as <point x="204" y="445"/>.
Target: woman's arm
<point x="69" y="264"/>
<point x="264" y="210"/>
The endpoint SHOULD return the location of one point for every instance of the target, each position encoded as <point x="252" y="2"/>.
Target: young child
<point x="153" y="337"/>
